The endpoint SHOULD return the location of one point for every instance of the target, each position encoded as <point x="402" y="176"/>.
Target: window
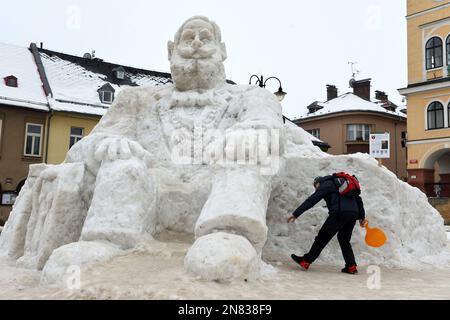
<point x="11" y="81"/>
<point x="33" y="138"/>
<point x="434" y="53"/>
<point x="448" y="118"/>
<point x="106" y="93"/>
<point x="120" y="75"/>
<point x="448" y="50"/>
<point x="315" y="133"/>
<point x="358" y="132"/>
<point x="107" y="96"/>
<point x="435" y="116"/>
<point x="76" y="134"/>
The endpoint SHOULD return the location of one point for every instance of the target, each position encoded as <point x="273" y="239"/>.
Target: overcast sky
<point x="307" y="44"/>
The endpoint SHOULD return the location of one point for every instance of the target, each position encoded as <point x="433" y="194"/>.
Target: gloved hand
<point x="291" y="219"/>
<point x="363" y="223"/>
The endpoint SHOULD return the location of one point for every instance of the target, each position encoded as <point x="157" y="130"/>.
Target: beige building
<point x="346" y="121"/>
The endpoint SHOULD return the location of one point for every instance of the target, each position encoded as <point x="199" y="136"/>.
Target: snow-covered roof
<point x="19" y="62"/>
<point x="75" y="81"/>
<point x="346" y="103"/>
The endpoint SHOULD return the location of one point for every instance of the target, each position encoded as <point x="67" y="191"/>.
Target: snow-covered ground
<point x="156" y="271"/>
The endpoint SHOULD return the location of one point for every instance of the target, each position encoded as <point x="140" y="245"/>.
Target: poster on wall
<point x="8" y="198"/>
<point x="380" y="147"/>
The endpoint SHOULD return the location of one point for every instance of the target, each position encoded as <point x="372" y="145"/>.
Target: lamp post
<point x="280" y="94"/>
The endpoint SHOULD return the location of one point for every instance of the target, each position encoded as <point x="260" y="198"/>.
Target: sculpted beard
<point x="202" y="73"/>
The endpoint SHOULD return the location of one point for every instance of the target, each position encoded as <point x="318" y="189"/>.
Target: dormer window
<point x="106" y="94"/>
<point x="314" y="107"/>
<point x="119" y="73"/>
<point x="11" y="81"/>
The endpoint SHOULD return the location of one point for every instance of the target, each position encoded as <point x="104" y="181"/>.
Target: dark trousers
<point x="342" y="224"/>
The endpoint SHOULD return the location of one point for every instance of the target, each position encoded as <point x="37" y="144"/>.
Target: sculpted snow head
<point x="197" y="54"/>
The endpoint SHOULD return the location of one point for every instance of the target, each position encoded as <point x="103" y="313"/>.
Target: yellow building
<point x="428" y="95"/>
<point x="64" y="130"/>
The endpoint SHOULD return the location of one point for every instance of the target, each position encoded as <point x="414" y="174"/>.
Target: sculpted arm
<point x="260" y="110"/>
<point x="114" y="136"/>
<point x="260" y="120"/>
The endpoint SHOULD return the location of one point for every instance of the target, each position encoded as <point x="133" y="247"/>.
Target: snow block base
<point x="222" y="257"/>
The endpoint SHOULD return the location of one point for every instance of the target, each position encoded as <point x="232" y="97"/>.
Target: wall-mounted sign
<point x="414" y="161"/>
<point x="380" y="145"/>
<point x="8" y="198"/>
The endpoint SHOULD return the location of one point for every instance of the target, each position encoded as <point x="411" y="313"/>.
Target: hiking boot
<point x="350" y="270"/>
<point x="301" y="261"/>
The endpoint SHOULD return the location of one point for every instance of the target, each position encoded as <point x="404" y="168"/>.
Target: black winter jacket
<point x="335" y="202"/>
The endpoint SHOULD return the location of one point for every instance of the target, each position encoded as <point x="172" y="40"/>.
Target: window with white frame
<point x="33" y="139"/>
<point x="107" y="96"/>
<point x="434" y="53"/>
<point x="315" y="133"/>
<point x="435" y="116"/>
<point x="76" y="134"/>
<point x="358" y="132"/>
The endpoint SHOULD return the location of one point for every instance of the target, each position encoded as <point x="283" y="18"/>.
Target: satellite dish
<point x="352" y="82"/>
<point x="87" y="56"/>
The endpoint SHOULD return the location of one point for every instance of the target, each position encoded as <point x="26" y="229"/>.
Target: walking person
<point x="341" y="193"/>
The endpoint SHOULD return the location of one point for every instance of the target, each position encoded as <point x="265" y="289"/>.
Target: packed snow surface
<point x="155" y="271"/>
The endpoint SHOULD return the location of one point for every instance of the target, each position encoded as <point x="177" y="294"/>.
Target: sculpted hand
<point x="245" y="144"/>
<point x="118" y="148"/>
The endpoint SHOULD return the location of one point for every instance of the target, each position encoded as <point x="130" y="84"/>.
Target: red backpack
<point x="347" y="184"/>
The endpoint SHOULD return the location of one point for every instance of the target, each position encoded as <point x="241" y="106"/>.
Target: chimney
<point x="381" y="95"/>
<point x="332" y="92"/>
<point x="42" y="45"/>
<point x="361" y="88"/>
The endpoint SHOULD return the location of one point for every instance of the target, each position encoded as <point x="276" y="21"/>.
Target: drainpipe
<point x="48" y="135"/>
<point x="396" y="151"/>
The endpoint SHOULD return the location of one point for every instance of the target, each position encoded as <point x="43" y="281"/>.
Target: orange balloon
<point x="375" y="237"/>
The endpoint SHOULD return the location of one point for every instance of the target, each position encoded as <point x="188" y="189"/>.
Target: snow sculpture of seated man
<point x="196" y="156"/>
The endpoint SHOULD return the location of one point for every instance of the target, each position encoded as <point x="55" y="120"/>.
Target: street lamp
<point x="280" y="94"/>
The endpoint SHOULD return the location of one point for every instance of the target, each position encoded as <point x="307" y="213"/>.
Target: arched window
<point x="434" y="54"/>
<point x="435" y="115"/>
<point x="448" y="50"/>
<point x="448" y="114"/>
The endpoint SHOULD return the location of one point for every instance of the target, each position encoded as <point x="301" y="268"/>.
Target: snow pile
<point x="415" y="230"/>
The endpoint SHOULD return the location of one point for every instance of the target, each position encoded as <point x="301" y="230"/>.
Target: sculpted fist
<point x="248" y="145"/>
<point x="116" y="148"/>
